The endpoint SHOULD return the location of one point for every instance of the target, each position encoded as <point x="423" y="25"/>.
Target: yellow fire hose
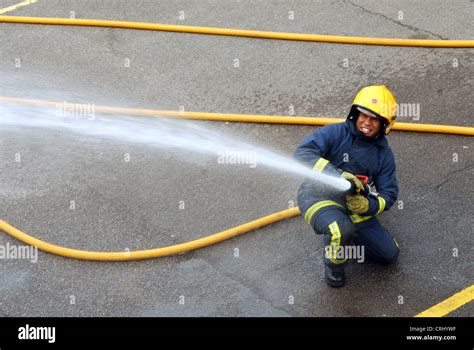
<point x="245" y="118"/>
<point x="240" y="32"/>
<point x="149" y="253"/>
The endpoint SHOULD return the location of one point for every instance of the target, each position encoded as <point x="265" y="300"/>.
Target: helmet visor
<point x="372" y="114"/>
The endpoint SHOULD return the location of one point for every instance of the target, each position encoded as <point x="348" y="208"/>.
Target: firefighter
<point x="357" y="146"/>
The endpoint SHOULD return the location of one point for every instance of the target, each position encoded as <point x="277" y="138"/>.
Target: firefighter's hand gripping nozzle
<point x="360" y="185"/>
<point x="367" y="189"/>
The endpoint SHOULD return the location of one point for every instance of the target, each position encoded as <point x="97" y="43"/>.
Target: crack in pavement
<point x="448" y="177"/>
<point x="420" y="194"/>
<point x="412" y="28"/>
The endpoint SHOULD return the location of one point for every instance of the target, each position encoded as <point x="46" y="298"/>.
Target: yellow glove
<point x="357" y="204"/>
<point x="352" y="178"/>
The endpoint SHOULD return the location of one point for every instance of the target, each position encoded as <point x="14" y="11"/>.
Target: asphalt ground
<point x="139" y="204"/>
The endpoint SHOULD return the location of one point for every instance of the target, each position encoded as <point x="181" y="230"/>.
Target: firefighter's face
<point x="367" y="125"/>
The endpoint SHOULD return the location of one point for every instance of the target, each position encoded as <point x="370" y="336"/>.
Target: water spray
<point x="163" y="133"/>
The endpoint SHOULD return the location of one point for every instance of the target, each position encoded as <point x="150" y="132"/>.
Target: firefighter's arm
<point x="387" y="187"/>
<point x="313" y="149"/>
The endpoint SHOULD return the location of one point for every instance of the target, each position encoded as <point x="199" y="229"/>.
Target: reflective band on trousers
<point x="315" y="207"/>
<point x="335" y="243"/>
<point x="320" y="164"/>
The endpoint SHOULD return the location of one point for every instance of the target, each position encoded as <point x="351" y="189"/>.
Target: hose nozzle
<point x="366" y="191"/>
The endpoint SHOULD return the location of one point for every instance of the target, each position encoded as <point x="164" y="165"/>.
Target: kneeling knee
<point x="344" y="227"/>
<point x="391" y="256"/>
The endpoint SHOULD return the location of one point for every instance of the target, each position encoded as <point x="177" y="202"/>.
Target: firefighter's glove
<point x="357" y="204"/>
<point x="358" y="185"/>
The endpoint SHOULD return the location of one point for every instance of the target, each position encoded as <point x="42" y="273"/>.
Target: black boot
<point x="335" y="279"/>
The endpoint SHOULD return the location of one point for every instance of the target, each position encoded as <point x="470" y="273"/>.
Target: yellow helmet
<point x="376" y="101"/>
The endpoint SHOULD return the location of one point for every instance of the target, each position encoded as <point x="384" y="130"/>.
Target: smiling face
<point x="369" y="126"/>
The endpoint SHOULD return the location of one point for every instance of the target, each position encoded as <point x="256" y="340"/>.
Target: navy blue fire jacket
<point x="348" y="150"/>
